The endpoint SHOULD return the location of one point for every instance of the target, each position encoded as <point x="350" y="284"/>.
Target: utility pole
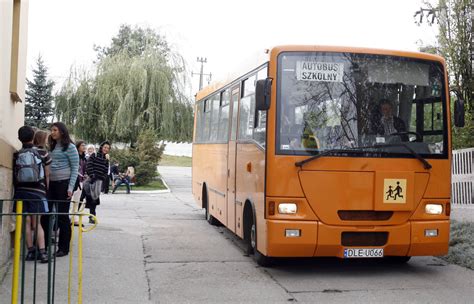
<point x="202" y="60"/>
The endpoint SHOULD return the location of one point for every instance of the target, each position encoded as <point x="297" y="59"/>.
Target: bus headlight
<point x="434" y="208"/>
<point x="287" y="208"/>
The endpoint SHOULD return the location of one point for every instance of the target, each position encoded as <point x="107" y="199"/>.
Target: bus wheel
<point x="261" y="260"/>
<point x="209" y="218"/>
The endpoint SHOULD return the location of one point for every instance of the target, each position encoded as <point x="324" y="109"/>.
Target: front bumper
<point x="319" y="239"/>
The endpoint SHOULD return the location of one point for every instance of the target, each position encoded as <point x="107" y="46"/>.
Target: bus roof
<point x="260" y="58"/>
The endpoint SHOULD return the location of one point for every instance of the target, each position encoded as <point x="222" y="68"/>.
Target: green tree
<point x="455" y="37"/>
<point x="138" y="84"/>
<point x="454" y="44"/>
<point x="39" y="97"/>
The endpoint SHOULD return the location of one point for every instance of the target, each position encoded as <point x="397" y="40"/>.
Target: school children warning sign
<point x="395" y="191"/>
<point x="319" y="71"/>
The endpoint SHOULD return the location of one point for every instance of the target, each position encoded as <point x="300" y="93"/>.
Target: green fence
<point x="26" y="277"/>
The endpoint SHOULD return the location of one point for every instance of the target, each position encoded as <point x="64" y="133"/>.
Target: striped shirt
<point x="97" y="166"/>
<point x="65" y="165"/>
<point x="39" y="187"/>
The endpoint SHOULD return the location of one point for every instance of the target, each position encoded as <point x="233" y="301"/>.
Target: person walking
<point x="63" y="176"/>
<point x="97" y="171"/>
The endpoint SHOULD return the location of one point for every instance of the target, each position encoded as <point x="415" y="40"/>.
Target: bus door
<point x="231" y="159"/>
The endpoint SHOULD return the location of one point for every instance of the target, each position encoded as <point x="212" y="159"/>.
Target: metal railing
<point x="21" y="272"/>
<point x="462" y="183"/>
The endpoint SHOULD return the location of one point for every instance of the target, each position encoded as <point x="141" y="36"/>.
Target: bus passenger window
<point x="206" y="120"/>
<point x="223" y="117"/>
<point x="214" y="119"/>
<point x="247" y="109"/>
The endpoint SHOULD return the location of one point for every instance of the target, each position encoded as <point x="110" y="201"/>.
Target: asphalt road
<point x="158" y="248"/>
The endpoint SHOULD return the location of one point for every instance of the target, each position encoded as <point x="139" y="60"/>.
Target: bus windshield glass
<point x="333" y="101"/>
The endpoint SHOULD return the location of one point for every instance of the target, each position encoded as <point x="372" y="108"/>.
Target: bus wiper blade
<point x="327" y="152"/>
<point x="426" y="164"/>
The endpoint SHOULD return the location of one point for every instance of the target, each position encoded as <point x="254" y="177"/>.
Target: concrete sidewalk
<point x="113" y="260"/>
<point x="116" y="253"/>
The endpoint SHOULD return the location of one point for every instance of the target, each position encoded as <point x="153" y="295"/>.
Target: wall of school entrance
<point x="13" y="47"/>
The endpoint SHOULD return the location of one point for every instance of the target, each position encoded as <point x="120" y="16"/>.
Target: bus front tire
<point x="261" y="260"/>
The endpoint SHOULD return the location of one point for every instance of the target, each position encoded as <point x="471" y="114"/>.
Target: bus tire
<point x="261" y="259"/>
<point x="209" y="218"/>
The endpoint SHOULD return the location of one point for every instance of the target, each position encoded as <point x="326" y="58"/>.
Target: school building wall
<point x="13" y="46"/>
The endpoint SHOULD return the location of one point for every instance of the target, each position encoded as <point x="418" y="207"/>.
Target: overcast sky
<point x="225" y="32"/>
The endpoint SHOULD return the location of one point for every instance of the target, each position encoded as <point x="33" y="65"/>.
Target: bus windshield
<point x="329" y="101"/>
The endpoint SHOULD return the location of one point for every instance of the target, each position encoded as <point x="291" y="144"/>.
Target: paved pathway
<point x="157" y="248"/>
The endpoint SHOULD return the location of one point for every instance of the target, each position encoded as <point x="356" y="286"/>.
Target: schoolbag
<point x="28" y="166"/>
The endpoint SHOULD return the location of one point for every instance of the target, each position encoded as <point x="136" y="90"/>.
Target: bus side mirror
<point x="262" y="94"/>
<point x="459" y="113"/>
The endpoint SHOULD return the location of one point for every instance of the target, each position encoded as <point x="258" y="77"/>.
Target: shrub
<point x="149" y="155"/>
<point x="125" y="157"/>
<point x="144" y="158"/>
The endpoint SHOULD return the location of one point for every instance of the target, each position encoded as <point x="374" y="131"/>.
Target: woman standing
<point x="76" y="197"/>
<point x="63" y="175"/>
<point x="97" y="170"/>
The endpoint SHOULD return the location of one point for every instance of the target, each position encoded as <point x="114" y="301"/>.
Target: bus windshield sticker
<point x="319" y="71"/>
<point x="285" y="147"/>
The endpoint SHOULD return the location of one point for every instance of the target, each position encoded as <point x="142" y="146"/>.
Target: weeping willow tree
<point x="137" y="85"/>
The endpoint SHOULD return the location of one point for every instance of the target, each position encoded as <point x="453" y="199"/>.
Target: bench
<point x="123" y="184"/>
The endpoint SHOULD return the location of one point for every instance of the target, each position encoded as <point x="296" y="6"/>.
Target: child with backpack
<point x="30" y="180"/>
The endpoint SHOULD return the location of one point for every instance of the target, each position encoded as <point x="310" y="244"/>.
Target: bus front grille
<point x="364" y="238"/>
<point x="364" y="215"/>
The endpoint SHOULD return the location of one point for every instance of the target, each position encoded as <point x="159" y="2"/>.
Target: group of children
<point x="47" y="176"/>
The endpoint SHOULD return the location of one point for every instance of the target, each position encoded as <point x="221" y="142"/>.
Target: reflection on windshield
<point x="337" y="101"/>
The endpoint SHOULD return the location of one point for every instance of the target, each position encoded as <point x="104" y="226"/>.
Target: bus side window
<point x="206" y="121"/>
<point x="199" y="122"/>
<point x="214" y="118"/>
<point x="223" y="116"/>
<point x="247" y="108"/>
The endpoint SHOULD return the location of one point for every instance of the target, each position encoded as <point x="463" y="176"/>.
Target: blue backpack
<point x="28" y="166"/>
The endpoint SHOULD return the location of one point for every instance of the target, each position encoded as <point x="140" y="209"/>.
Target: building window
<point x="15" y="51"/>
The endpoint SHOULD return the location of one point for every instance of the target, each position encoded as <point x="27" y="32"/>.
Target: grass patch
<point x="461" y="244"/>
<point x="178" y="161"/>
<point x="156" y="184"/>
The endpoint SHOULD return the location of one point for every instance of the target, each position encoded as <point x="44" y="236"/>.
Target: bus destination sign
<point x="319" y="71"/>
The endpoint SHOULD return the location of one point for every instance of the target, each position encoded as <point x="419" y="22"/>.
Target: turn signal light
<point x="448" y="209"/>
<point x="271" y="208"/>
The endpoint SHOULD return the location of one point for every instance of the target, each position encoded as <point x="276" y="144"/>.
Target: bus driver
<point x="387" y="123"/>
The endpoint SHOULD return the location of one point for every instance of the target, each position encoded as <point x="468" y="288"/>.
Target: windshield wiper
<point x="327" y="152"/>
<point x="425" y="163"/>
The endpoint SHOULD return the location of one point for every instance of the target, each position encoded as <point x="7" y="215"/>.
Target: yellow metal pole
<point x="16" y="253"/>
<point x="71" y="253"/>
<point x="79" y="261"/>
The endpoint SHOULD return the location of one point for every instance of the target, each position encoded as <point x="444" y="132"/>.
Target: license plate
<point x="363" y="253"/>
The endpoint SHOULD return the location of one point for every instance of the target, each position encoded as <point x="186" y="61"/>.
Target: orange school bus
<point x="328" y="151"/>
